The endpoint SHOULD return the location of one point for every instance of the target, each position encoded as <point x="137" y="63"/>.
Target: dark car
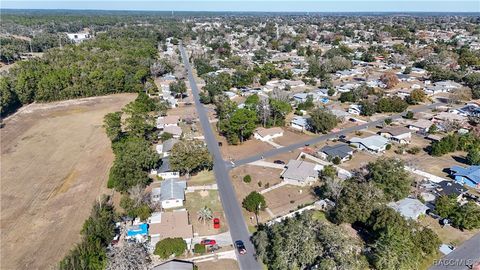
<point x="240" y="247"/>
<point x="278" y="161"/>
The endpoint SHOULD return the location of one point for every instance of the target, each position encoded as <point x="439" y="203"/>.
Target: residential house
<point x="374" y="144"/>
<point x="300" y="173"/>
<point x="79" y="37"/>
<point x="299" y="123"/>
<point x="166" y="146"/>
<point x="450" y="188"/>
<point x="167" y="121"/>
<point x="170" y="194"/>
<point x="301" y="97"/>
<point x="355" y="109"/>
<point x="165" y="171"/>
<point x="170" y="224"/>
<point x="468" y="110"/>
<point x="175" y="265"/>
<point x="469" y="176"/>
<point x="342" y="151"/>
<point x="420" y="126"/>
<point x="176" y="131"/>
<point x="397" y="134"/>
<point x="409" y="208"/>
<point x="267" y="134"/>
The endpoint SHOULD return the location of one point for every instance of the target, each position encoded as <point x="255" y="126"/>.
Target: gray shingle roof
<point x="171" y="189"/>
<point x="338" y="150"/>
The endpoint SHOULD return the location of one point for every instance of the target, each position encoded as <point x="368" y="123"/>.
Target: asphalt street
<point x="462" y="258"/>
<point x="324" y="137"/>
<point x="233" y="212"/>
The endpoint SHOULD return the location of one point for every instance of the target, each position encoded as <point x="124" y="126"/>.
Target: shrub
<point x="247" y="178"/>
<point x="259" y="183"/>
<point x="336" y="160"/>
<point x="199" y="249"/>
<point x="409" y="115"/>
<point x="170" y="246"/>
<point x="388" y="147"/>
<point x="414" y="150"/>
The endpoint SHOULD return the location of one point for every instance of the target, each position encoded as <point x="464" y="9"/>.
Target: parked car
<point x="216" y="223"/>
<point x="278" y="161"/>
<point x="208" y="242"/>
<point x="240" y="247"/>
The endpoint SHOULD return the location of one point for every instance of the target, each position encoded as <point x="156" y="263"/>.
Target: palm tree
<point x="205" y="214"/>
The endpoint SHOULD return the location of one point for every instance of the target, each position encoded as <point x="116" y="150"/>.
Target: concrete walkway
<point x="263" y="163"/>
<point x="222" y="239"/>
<point x="281" y="184"/>
<point x="274" y="144"/>
<point x="200" y="188"/>
<point x="429" y="176"/>
<point x="215" y="256"/>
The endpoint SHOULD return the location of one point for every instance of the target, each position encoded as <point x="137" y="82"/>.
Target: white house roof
<point x="299" y="170"/>
<point x="409" y="208"/>
<point x="374" y="142"/>
<point x="172" y="190"/>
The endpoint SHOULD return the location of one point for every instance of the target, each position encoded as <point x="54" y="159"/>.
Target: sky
<point x="251" y="5"/>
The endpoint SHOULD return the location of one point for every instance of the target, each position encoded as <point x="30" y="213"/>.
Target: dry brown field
<point x="55" y="160"/>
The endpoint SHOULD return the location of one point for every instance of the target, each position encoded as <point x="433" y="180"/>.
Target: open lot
<point x="267" y="176"/>
<point x="202" y="178"/>
<point x="209" y="198"/>
<point x="55" y="163"/>
<point x="286" y="198"/>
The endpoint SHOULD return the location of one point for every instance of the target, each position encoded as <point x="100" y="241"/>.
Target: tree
<point x="367" y="108"/>
<point x="390" y="175"/>
<point x="467" y="216"/>
<point x="445" y="206"/>
<point x="199" y="248"/>
<point x="239" y="126"/>
<point x="205" y="214"/>
<point x="279" y="109"/>
<point x="179" y="88"/>
<point x="190" y="156"/>
<point x="8" y="97"/>
<point x="416" y="96"/>
<point x="322" y="120"/>
<point x="390" y="79"/>
<point x="432" y="129"/>
<point x="473" y="156"/>
<point x="409" y="115"/>
<point x="254" y="202"/>
<point x="134" y="157"/>
<point x="112" y="123"/>
<point x="357" y="201"/>
<point x="247" y="178"/>
<point x="170" y="246"/>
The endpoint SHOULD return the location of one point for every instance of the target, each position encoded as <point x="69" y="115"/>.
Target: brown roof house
<point x="397" y="134"/>
<point x="169" y="120"/>
<point x="170" y="224"/>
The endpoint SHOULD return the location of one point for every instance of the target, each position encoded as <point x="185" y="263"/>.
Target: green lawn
<point x="319" y="215"/>
<point x="195" y="201"/>
<point x="202" y="178"/>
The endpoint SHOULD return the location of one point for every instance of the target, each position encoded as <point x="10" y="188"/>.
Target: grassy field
<point x="202" y="178"/>
<point x="55" y="163"/>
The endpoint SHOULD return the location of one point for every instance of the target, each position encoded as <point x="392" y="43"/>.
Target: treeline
<point x="13" y="47"/>
<point x="113" y="62"/>
<point x="458" y="142"/>
<point x="389" y="240"/>
<point x="97" y="233"/>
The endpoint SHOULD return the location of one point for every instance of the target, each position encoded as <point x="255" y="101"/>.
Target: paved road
<point x="324" y="137"/>
<point x="233" y="212"/>
<point x="462" y="258"/>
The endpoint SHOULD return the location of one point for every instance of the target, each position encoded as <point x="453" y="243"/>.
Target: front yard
<point x="199" y="199"/>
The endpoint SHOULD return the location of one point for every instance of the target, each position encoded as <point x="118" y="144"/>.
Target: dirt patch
<point x="55" y="163"/>
<point x="287" y="198"/>
<point x="267" y="177"/>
